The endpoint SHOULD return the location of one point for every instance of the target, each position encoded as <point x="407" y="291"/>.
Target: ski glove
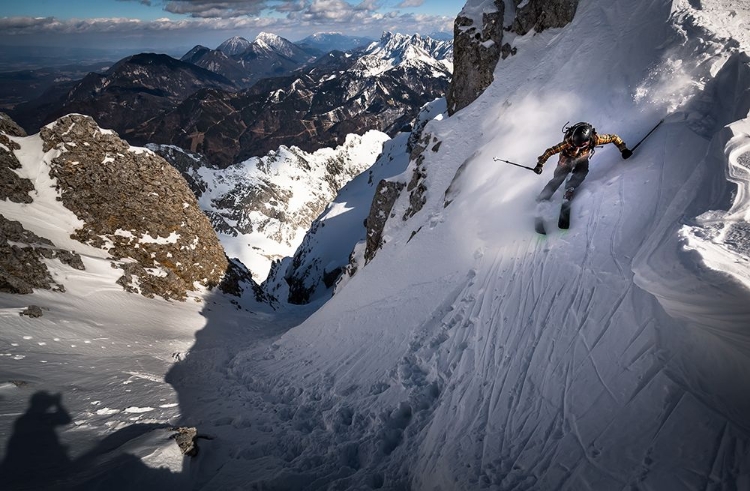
<point x="538" y="168"/>
<point x="627" y="153"/>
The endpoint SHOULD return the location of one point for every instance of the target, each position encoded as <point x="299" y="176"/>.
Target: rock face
<point x="22" y="268"/>
<point x="386" y="195"/>
<point x="12" y="187"/>
<point x="478" y="40"/>
<point x="134" y="205"/>
<point x="477" y="43"/>
<point x="389" y="192"/>
<point x="543" y="14"/>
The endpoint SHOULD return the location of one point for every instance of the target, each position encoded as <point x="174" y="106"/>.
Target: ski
<point x="539" y="225"/>
<point x="564" y="221"/>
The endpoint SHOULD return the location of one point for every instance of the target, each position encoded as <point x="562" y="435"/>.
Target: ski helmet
<point x="581" y="134"/>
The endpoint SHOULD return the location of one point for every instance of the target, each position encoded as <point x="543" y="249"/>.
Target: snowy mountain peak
<point x="273" y="41"/>
<point x="234" y="46"/>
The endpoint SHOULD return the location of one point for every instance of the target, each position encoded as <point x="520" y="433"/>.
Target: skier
<point x="575" y="151"/>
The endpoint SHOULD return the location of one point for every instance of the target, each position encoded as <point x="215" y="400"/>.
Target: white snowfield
<point x="473" y="354"/>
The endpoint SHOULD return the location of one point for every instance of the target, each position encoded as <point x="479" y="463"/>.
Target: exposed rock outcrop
<point x="12" y="186"/>
<point x="134" y="205"/>
<point x="388" y="192"/>
<point x="22" y="254"/>
<point x="543" y="14"/>
<point x="33" y="311"/>
<point x="477" y="43"/>
<point x="478" y="40"/>
<point x="386" y="195"/>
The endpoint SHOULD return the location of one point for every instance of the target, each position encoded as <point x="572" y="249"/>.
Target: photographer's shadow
<point x="35" y="459"/>
<point x="34" y="450"/>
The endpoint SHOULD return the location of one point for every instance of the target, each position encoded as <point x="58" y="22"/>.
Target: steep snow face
<point x="471" y="353"/>
<point x="262" y="207"/>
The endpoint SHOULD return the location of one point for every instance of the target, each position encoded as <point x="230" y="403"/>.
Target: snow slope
<point x="477" y="355"/>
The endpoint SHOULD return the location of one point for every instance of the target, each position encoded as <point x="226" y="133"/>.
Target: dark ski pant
<point x="577" y="168"/>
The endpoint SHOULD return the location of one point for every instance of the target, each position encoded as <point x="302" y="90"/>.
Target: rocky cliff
<point x="134" y="205"/>
<point x="480" y="39"/>
<point x="127" y="202"/>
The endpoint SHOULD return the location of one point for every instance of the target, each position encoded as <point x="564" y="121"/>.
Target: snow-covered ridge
<point x="262" y="207"/>
<point x="394" y="50"/>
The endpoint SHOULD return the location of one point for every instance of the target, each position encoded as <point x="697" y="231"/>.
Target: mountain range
<point x="245" y="62"/>
<point x="198" y="103"/>
<point x="133" y="90"/>
<point x="382" y="87"/>
<point x="326" y="42"/>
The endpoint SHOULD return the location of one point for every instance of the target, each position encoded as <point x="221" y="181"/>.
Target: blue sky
<point x="185" y="23"/>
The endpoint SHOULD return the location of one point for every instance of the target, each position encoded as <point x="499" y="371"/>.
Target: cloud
<point x="295" y="6"/>
<point x="50" y="25"/>
<point x="368" y="5"/>
<point x="405" y="4"/>
<point x="325" y="9"/>
<point x="212" y="9"/>
<point x="293" y="17"/>
<point x="9" y="24"/>
<point x="142" y="2"/>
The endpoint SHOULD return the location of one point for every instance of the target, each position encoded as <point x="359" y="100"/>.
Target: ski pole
<point x="647" y="134"/>
<point x="512" y="163"/>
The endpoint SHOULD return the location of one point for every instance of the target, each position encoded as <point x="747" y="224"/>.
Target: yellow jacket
<point x="571" y="151"/>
